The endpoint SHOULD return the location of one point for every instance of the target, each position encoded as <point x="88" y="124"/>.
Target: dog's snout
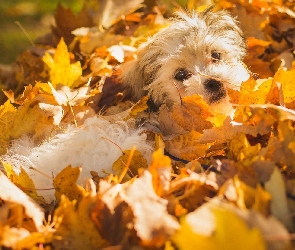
<point x="215" y="90"/>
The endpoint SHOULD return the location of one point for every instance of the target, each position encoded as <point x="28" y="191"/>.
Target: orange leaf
<point x="192" y="113"/>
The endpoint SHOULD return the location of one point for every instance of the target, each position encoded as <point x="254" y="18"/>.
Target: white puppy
<point x="197" y="54"/>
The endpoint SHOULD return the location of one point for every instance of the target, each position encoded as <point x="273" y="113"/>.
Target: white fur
<point x="85" y="147"/>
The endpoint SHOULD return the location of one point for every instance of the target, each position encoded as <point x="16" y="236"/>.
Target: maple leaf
<point x="191" y="190"/>
<point x="233" y="235"/>
<point x="65" y="184"/>
<point x="140" y="106"/>
<point x="192" y="114"/>
<point x="241" y="150"/>
<point x="279" y="203"/>
<point x="111" y="10"/>
<point x="34" y="118"/>
<point x="21" y="223"/>
<point x="73" y="97"/>
<point x="61" y="70"/>
<point x="66" y="21"/>
<point x="23" y="181"/>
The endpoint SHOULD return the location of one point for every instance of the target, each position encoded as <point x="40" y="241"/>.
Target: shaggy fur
<point x="85" y="147"/>
<point x="199" y="53"/>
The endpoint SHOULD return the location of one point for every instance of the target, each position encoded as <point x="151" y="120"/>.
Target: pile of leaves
<point x="215" y="181"/>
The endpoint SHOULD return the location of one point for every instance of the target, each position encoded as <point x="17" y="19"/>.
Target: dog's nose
<point x="215" y="90"/>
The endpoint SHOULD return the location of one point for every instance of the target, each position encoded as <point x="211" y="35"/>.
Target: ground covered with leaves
<point x="214" y="181"/>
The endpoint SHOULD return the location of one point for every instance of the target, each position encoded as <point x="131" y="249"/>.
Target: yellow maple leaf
<point x="255" y="92"/>
<point x="65" y="184"/>
<point x="36" y="119"/>
<point x="231" y="232"/>
<point x="20" y="216"/>
<point x="61" y="70"/>
<point x="23" y="181"/>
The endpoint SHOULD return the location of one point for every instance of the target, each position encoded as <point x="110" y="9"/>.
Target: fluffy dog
<point x="197" y="54"/>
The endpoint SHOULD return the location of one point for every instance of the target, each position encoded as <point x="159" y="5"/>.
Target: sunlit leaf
<point x="233" y="235"/>
<point x="65" y="184"/>
<point x="62" y="71"/>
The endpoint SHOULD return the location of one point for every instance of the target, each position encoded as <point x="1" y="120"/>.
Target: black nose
<point x="215" y="90"/>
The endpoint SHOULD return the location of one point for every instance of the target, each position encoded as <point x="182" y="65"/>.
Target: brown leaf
<point x="192" y="189"/>
<point x="255" y="49"/>
<point x="66" y="21"/>
<point x="192" y="114"/>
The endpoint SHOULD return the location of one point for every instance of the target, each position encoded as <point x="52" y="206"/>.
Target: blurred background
<point x="34" y="17"/>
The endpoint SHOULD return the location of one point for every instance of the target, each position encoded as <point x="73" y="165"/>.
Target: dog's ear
<point x="132" y="78"/>
<point x="141" y="71"/>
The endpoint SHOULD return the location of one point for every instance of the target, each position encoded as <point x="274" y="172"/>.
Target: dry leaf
<point x="160" y="168"/>
<point x="75" y="229"/>
<point x="137" y="162"/>
<point x="192" y="114"/>
<point x="111" y="10"/>
<point x="32" y="213"/>
<point x="65" y="184"/>
<point x="61" y="70"/>
<point x="23" y="181"/>
<point x="234" y="235"/>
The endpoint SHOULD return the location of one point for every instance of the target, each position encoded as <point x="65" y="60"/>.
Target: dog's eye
<point x="182" y="74"/>
<point x="215" y="56"/>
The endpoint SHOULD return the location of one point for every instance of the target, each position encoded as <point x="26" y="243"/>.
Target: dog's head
<point x="197" y="54"/>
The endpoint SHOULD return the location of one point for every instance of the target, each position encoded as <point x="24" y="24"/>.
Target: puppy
<point x="197" y="54"/>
